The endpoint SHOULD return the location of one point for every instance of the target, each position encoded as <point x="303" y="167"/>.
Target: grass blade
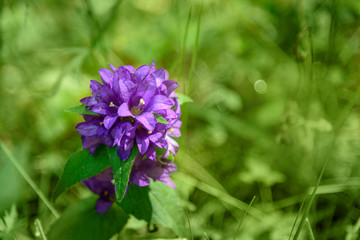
<point x="195" y="50"/>
<point x="29" y="180"/>
<point x="245" y="213"/>
<point x="221" y="195"/>
<point x="309" y="203"/>
<point x="310" y="232"/>
<point x="182" y="54"/>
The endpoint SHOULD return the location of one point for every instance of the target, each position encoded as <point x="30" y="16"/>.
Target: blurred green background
<point x="276" y="90"/>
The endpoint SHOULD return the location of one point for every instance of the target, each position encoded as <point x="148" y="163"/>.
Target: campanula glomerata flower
<point x="134" y="108"/>
<point x="101" y="185"/>
<point x="129" y="104"/>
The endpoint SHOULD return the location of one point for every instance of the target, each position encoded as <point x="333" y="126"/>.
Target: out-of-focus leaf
<point x="80" y="166"/>
<point x="121" y="170"/>
<point x="81" y="221"/>
<point x="10" y="193"/>
<point x="137" y="202"/>
<point x="258" y="171"/>
<point x="167" y="208"/>
<point x="183" y="99"/>
<point x="82" y="109"/>
<point x="9" y="224"/>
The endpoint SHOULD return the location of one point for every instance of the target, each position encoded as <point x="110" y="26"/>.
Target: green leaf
<point x="183" y="99"/>
<point x="160" y="119"/>
<point x="80" y="221"/>
<point x="82" y="109"/>
<point x="80" y="166"/>
<point x="160" y="151"/>
<point x="167" y="208"/>
<point x="121" y="170"/>
<point x="137" y="202"/>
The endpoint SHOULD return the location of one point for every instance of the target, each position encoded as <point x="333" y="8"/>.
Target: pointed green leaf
<point x="82" y="109"/>
<point x="183" y="99"/>
<point x="80" y="166"/>
<point x="160" y="119"/>
<point x="121" y="170"/>
<point x="137" y="202"/>
<point x="160" y="151"/>
<point x="167" y="208"/>
<point x="80" y="221"/>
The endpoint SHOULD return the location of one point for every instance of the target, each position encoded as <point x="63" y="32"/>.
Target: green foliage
<point x="160" y="119"/>
<point x="183" y="99"/>
<point x="80" y="221"/>
<point x="121" y="170"/>
<point x="167" y="208"/>
<point x="137" y="202"/>
<point x="81" y="166"/>
<point x="82" y="109"/>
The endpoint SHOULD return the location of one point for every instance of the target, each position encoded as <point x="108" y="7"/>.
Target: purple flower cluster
<point x="135" y="108"/>
<point x="129" y="104"/>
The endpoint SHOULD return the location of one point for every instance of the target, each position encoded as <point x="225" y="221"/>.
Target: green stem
<point x="195" y="50"/>
<point x="40" y="229"/>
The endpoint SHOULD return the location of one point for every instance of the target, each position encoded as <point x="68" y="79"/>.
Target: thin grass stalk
<point x="309" y="203"/>
<point x="310" y="232"/>
<point x="182" y="53"/>
<point x="195" y="50"/>
<point x="28" y="179"/>
<point x="244" y="216"/>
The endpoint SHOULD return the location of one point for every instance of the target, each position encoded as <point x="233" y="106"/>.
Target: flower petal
<point x="148" y="120"/>
<point x="90" y="101"/>
<point x="151" y="153"/>
<point x="156" y="137"/>
<point x="107" y="94"/>
<point x="160" y="102"/>
<point x="127" y="88"/>
<point x="107" y="140"/>
<point x="115" y="84"/>
<point x="146" y="90"/>
<point x="109" y="121"/>
<point x="85" y="100"/>
<point x="175" y="129"/>
<point x="173" y="146"/>
<point x="112" y="67"/>
<point x="89" y="142"/>
<point x="139" y="178"/>
<point x="124" y="111"/>
<point x="122" y="153"/>
<point x="170" y="86"/>
<point x="129" y="68"/>
<point x="101" y="108"/>
<point x="95" y="87"/>
<point x="106" y="76"/>
<point x="142" y="143"/>
<point x="142" y="72"/>
<point x="168" y="182"/>
<point x="102" y="205"/>
<point x="87" y="128"/>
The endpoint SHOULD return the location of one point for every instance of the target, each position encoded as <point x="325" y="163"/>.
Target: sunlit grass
<point x="298" y="142"/>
